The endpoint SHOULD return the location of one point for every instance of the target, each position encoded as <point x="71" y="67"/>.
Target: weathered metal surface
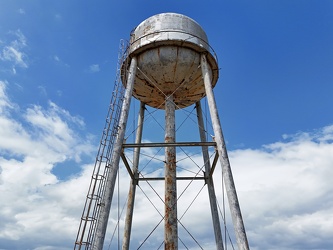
<point x="181" y="178"/>
<point x="168" y="48"/>
<point x="129" y="170"/>
<point x="132" y="189"/>
<point x="170" y="217"/>
<point x="216" y="158"/>
<point x="167" y="28"/>
<point x="209" y="181"/>
<point x="224" y="159"/>
<point x="102" y="220"/>
<point x="168" y="144"/>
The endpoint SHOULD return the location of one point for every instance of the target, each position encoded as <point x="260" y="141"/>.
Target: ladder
<point x="87" y="229"/>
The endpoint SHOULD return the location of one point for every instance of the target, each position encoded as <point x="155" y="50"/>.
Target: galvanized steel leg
<point x="170" y="219"/>
<point x="209" y="181"/>
<point x="131" y="193"/>
<point x="223" y="156"/>
<point x="102" y="220"/>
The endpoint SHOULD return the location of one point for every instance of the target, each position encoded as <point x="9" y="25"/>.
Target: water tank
<point x="168" y="48"/>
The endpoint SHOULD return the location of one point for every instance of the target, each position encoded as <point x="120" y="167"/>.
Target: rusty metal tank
<point x="168" y="47"/>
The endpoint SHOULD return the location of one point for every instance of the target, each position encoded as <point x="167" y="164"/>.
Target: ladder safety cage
<point x="87" y="228"/>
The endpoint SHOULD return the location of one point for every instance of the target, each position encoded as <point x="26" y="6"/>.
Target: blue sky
<point x="57" y="67"/>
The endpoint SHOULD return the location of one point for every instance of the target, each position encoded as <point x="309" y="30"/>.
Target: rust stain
<point x="169" y="139"/>
<point x="180" y="74"/>
<point x="176" y="64"/>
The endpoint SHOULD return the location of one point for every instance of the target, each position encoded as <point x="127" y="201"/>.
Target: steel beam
<point x="129" y="170"/>
<point x="216" y="158"/>
<point x="181" y="178"/>
<point x="223" y="155"/>
<point x="168" y="144"/>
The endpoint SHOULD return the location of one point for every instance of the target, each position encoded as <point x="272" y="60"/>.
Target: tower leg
<point x="223" y="156"/>
<point x="103" y="217"/>
<point x="131" y="193"/>
<point x="209" y="181"/>
<point x="170" y="231"/>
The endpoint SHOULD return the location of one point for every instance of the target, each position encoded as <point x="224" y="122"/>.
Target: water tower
<point x="168" y="66"/>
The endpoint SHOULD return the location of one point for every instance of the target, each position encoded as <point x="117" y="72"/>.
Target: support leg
<point x="131" y="193"/>
<point x="209" y="180"/>
<point x="223" y="155"/>
<point x="102" y="220"/>
<point x="170" y="231"/>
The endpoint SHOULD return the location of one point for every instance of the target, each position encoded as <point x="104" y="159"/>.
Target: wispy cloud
<point x="42" y="90"/>
<point x="13" y="52"/>
<point x="21" y="11"/>
<point x="60" y="62"/>
<point x="59" y="93"/>
<point x="5" y="103"/>
<point x="56" y="58"/>
<point x="58" y="17"/>
<point x="94" y="68"/>
<point x="47" y="131"/>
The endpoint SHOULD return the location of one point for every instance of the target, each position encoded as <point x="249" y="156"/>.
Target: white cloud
<point x="13" y="52"/>
<point x="5" y="103"/>
<point x="59" y="93"/>
<point x="284" y="188"/>
<point x="21" y="11"/>
<point x="42" y="90"/>
<point x="58" y="17"/>
<point x="60" y="62"/>
<point x="94" y="68"/>
<point x="30" y="147"/>
<point x="10" y="53"/>
<point x="56" y="58"/>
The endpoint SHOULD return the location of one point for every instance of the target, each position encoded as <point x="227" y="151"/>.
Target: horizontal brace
<point x="162" y="178"/>
<point x="170" y="144"/>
